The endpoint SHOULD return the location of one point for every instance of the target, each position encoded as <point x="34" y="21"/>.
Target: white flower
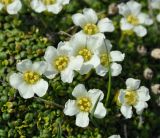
<point x="61" y="61"/>
<point x="12" y="6"/>
<point x="133" y="96"/>
<point x="155" y="4"/>
<point x="83" y="105"/>
<point x="108" y="59"/>
<point x="115" y="136"/>
<point x="86" y="47"/>
<point x="29" y="81"/>
<point x="134" y="19"/>
<point x="88" y="21"/>
<point x="54" y="6"/>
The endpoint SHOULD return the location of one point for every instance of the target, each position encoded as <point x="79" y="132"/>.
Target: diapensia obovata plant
<point x="87" y="50"/>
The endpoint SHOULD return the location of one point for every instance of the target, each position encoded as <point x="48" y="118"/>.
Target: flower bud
<point x="155" y="53"/>
<point x="155" y="88"/>
<point x="112" y="9"/>
<point x="148" y="74"/>
<point x="142" y="50"/>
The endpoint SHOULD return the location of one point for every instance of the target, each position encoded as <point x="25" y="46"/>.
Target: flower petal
<point x="121" y="96"/>
<point x="50" y="72"/>
<point x="25" y="91"/>
<point x="67" y="75"/>
<point x="94" y="61"/>
<point x="105" y="47"/>
<point x="126" y="111"/>
<point x="140" y="30"/>
<point x="50" y="54"/>
<point x="40" y="88"/>
<point x="116" y="69"/>
<point x="132" y="84"/>
<point x="125" y="25"/>
<point x="85" y="68"/>
<point x="143" y="93"/>
<point x="14" y="7"/>
<point x="101" y="70"/>
<point x="38" y="6"/>
<point x="76" y="63"/>
<point x="79" y="19"/>
<point x="155" y="4"/>
<point x="145" y="19"/>
<point x="140" y="106"/>
<point x="1" y="6"/>
<point x="117" y="56"/>
<point x="70" y="108"/>
<point x="105" y="25"/>
<point x="64" y="2"/>
<point x="15" y="80"/>
<point x="90" y="15"/>
<point x="124" y="9"/>
<point x="82" y="119"/>
<point x="24" y="65"/>
<point x="100" y="111"/>
<point x="79" y="91"/>
<point x="40" y="67"/>
<point x="134" y="7"/>
<point x="158" y="17"/>
<point x="94" y="95"/>
<point x="55" y="8"/>
<point x="94" y="42"/>
<point x="64" y="49"/>
<point x="115" y="136"/>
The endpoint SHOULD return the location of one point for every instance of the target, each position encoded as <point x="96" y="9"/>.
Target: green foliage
<point x="27" y="35"/>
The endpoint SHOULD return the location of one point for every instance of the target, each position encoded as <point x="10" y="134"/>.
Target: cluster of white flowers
<point x="134" y="19"/>
<point x="53" y="6"/>
<point x="155" y="4"/>
<point x="86" y="50"/>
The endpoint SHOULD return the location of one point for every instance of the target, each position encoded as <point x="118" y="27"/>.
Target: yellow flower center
<point x="132" y="19"/>
<point x="49" y="2"/>
<point x="105" y="59"/>
<point x="31" y="77"/>
<point x="6" y="2"/>
<point x="131" y="97"/>
<point x="90" y="29"/>
<point x="85" y="53"/>
<point x="84" y="104"/>
<point x="61" y="63"/>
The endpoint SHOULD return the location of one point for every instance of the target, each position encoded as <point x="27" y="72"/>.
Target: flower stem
<point x="121" y="39"/>
<point x="49" y="102"/>
<point x="109" y="87"/>
<point x="64" y="33"/>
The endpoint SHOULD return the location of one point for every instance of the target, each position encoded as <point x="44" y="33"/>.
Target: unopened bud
<point x="148" y="74"/>
<point x="155" y="88"/>
<point x="142" y="50"/>
<point x="156" y="53"/>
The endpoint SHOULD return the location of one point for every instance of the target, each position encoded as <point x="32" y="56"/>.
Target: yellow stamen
<point x="84" y="104"/>
<point x="6" y="2"/>
<point x="61" y="63"/>
<point x="132" y="19"/>
<point x="105" y="59"/>
<point x="131" y="97"/>
<point x="85" y="53"/>
<point x="31" y="77"/>
<point x="90" y="29"/>
<point x="49" y="2"/>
